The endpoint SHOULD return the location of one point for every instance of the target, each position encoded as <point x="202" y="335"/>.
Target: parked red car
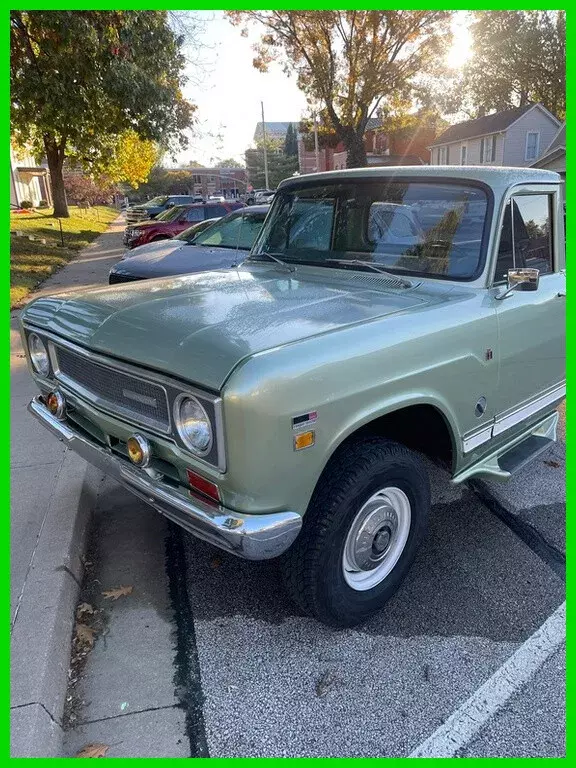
<point x="175" y="220"/>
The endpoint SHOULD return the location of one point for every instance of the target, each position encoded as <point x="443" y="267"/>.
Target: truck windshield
<point x="171" y="213"/>
<point x="238" y="230"/>
<point x="156" y="201"/>
<point x="422" y="228"/>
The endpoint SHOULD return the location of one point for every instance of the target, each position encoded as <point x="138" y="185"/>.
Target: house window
<point x="488" y="149"/>
<point x="442" y="155"/>
<point x="463" y="154"/>
<point x="532" y="142"/>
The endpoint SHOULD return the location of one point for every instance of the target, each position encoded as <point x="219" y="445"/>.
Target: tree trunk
<point x="55" y="157"/>
<point x="356" y="152"/>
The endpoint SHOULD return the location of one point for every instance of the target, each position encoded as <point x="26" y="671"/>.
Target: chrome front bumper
<point x="253" y="537"/>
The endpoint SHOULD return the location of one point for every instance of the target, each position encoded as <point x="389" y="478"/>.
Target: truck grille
<point x="133" y="216"/>
<point x="138" y="399"/>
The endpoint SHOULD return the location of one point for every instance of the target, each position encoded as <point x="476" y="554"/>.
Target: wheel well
<point x="421" y="428"/>
<point x="160" y="237"/>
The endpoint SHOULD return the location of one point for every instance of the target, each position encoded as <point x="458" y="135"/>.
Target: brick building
<point x="381" y="149"/>
<point x="229" y="182"/>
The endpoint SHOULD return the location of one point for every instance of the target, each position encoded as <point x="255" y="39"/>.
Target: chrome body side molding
<point x="506" y="421"/>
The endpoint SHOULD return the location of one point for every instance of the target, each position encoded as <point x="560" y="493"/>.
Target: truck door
<point x="531" y="324"/>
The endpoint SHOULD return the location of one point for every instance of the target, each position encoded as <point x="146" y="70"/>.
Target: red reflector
<point x="199" y="483"/>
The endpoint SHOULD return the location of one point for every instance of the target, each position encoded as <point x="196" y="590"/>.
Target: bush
<point x="26" y="204"/>
<point x="43" y="204"/>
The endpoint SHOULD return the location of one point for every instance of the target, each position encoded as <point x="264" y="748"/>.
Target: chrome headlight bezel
<point x="40" y="369"/>
<point x="179" y="403"/>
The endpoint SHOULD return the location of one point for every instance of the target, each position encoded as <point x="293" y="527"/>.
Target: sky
<point x="227" y="90"/>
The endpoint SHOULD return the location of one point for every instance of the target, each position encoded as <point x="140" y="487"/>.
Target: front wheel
<point x="361" y="532"/>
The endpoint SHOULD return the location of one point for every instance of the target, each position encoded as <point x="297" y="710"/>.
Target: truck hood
<point x="175" y="257"/>
<point x="199" y="327"/>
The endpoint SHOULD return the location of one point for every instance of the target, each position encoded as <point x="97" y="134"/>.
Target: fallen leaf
<point x="552" y="463"/>
<point x="85" y="634"/>
<point x="84" y="608"/>
<point x="93" y="750"/>
<point x="114" y="594"/>
<point x="325" y="683"/>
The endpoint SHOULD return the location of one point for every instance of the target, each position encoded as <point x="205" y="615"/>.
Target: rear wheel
<point x="361" y="532"/>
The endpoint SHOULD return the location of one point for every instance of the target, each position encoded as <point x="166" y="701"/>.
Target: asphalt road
<point x="279" y="684"/>
<point x="208" y="656"/>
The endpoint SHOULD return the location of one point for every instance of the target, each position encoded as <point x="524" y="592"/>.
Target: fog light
<point x="56" y="404"/>
<point x="138" y="450"/>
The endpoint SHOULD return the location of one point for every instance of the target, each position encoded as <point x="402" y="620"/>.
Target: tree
<point x="406" y="123"/>
<point x="350" y="62"/>
<point x="228" y="162"/>
<point x="80" y="79"/>
<point x="291" y="141"/>
<point x="83" y="189"/>
<point x="280" y="166"/>
<point x="518" y="57"/>
<point x="132" y="160"/>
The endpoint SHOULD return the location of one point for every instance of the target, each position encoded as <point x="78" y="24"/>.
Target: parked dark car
<point x="225" y="243"/>
<point x="153" y="208"/>
<point x="175" y="221"/>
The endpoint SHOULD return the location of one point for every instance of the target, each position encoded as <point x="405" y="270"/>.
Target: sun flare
<point x="461" y="48"/>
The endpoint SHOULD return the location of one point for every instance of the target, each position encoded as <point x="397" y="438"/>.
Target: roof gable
<point x="482" y="126"/>
<point x="558" y="141"/>
<point x="273" y="130"/>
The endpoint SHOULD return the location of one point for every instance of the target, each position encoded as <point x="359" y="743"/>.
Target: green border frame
<point x="317" y="5"/>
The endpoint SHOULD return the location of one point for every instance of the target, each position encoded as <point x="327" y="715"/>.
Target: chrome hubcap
<point x="376" y="539"/>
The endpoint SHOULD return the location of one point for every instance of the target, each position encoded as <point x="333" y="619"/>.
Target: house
<point x="275" y="131"/>
<point x="553" y="158"/>
<point x="28" y="180"/>
<point x="514" y="137"/>
<point x="381" y="149"/>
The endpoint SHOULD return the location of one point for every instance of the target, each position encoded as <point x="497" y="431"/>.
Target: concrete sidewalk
<point x="53" y="492"/>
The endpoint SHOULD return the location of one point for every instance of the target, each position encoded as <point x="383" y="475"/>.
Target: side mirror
<point x="525" y="279"/>
<point x="170" y="205"/>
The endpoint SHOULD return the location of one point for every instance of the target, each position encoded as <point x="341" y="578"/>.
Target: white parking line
<point x="467" y="720"/>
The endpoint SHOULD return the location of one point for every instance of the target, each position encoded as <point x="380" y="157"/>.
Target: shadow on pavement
<point x="472" y="576"/>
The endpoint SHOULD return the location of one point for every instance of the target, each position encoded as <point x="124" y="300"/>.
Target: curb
<point x="41" y="636"/>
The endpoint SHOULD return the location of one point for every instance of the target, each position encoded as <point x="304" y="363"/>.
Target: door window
<point x="526" y="236"/>
<point x="215" y="211"/>
<point x="194" y="214"/>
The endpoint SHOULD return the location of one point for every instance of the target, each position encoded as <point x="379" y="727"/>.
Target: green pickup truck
<point x="282" y="408"/>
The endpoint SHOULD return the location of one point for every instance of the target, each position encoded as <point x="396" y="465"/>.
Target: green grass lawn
<point x="31" y="261"/>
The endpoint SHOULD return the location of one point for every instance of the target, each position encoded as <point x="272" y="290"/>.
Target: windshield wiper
<point x="359" y="263"/>
<point x="273" y="257"/>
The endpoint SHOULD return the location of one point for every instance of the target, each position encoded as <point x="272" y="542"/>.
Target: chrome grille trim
<point x="139" y="399"/>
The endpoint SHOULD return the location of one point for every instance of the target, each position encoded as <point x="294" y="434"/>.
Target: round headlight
<point x="193" y="425"/>
<point x="38" y="354"/>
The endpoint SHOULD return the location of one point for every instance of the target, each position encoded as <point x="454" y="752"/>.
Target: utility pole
<point x="265" y="150"/>
<point x="316" y="150"/>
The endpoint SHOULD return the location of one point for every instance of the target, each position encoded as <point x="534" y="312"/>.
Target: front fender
<point x="376" y="410"/>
